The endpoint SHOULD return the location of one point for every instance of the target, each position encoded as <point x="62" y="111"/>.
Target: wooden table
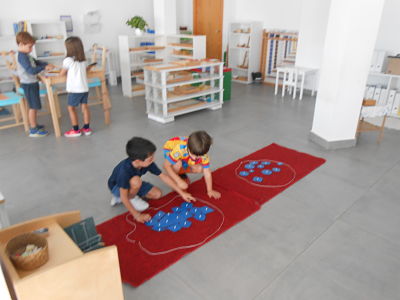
<point x="49" y="81"/>
<point x="69" y="273"/>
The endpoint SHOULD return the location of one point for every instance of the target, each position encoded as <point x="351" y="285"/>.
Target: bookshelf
<point x="185" y="46"/>
<point x="50" y="37"/>
<point x="136" y="52"/>
<point x="244" y="50"/>
<point x="7" y="43"/>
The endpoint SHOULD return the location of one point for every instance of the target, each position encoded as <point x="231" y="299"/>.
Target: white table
<point x="297" y="72"/>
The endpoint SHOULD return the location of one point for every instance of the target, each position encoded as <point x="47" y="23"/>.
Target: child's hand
<point x="141" y="218"/>
<point x="187" y="197"/>
<point x="49" y="67"/>
<point x="214" y="194"/>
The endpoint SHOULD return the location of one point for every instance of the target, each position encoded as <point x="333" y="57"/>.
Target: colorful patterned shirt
<point x="176" y="149"/>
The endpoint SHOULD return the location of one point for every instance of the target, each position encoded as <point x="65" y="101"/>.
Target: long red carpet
<point x="144" y="252"/>
<point x="295" y="166"/>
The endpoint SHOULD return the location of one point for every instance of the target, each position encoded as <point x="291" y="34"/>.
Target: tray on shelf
<point x="184" y="45"/>
<point x="146" y="48"/>
<point x="185" y="104"/>
<point x="187" y="90"/>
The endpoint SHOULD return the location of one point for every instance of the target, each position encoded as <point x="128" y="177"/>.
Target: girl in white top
<point x="75" y="67"/>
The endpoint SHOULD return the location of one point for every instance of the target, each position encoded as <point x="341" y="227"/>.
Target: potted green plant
<point x="138" y="23"/>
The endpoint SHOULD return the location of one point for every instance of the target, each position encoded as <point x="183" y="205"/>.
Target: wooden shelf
<point x="163" y="104"/>
<point x="146" y="48"/>
<point x="245" y="45"/>
<point x="69" y="273"/>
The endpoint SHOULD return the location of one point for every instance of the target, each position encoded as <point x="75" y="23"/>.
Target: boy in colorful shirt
<point x="189" y="155"/>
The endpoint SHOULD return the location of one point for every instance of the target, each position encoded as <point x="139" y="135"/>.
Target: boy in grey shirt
<point x="27" y="69"/>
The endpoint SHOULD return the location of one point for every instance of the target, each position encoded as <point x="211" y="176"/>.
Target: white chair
<point x="4" y="221"/>
<point x="293" y="78"/>
<point x="289" y="81"/>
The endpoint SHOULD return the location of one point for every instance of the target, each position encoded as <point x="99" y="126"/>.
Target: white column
<point x="349" y="44"/>
<point x="165" y="16"/>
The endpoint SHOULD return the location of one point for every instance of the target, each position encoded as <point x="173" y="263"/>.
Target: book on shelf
<point x="20" y="26"/>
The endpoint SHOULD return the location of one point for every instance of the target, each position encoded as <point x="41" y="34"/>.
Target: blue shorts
<point x="74" y="99"/>
<point x="32" y="96"/>
<point x="144" y="189"/>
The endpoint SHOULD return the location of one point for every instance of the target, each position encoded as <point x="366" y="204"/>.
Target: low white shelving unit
<point x="7" y="43"/>
<point x="184" y="46"/>
<point x="136" y="52"/>
<point x="50" y="37"/>
<point x="244" y="50"/>
<point x="175" y="89"/>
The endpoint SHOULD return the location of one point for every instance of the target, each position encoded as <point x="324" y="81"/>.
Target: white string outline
<point x="264" y="185"/>
<point x="144" y="249"/>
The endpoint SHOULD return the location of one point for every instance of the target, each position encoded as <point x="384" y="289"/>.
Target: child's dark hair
<point x="75" y="48"/>
<point x="139" y="148"/>
<point x="24" y="38"/>
<point x="199" y="142"/>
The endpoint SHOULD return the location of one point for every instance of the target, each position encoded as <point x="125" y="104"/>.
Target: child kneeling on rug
<point x="189" y="155"/>
<point x="126" y="185"/>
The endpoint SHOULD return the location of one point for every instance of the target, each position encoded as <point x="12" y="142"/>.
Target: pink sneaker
<point x="73" y="133"/>
<point x="87" y="131"/>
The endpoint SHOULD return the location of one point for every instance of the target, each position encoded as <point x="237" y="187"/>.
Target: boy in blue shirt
<point x="126" y="185"/>
<point x="27" y="69"/>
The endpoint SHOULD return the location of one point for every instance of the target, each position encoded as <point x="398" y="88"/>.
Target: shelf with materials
<point x="184" y="46"/>
<point x="174" y="89"/>
<point x="244" y="49"/>
<point x="50" y="37"/>
<point x="385" y="89"/>
<point x="134" y="54"/>
<point x="7" y="43"/>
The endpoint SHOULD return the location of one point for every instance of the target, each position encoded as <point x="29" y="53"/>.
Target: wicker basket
<point x="18" y="244"/>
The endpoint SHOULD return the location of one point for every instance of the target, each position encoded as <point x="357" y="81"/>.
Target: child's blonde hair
<point x="24" y="38"/>
<point x="75" y="48"/>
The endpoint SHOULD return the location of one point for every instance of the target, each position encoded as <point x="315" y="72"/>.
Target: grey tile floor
<point x="333" y="235"/>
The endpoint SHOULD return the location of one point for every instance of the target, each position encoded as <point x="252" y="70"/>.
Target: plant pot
<point x="138" y="32"/>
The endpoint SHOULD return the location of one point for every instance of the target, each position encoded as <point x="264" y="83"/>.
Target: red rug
<point x="138" y="266"/>
<point x="144" y="252"/>
<point x="293" y="166"/>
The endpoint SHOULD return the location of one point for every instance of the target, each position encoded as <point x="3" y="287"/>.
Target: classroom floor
<point x="333" y="235"/>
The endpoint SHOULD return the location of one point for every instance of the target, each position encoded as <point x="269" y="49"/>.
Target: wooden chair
<point x="368" y="109"/>
<point x="96" y="82"/>
<point x="99" y="54"/>
<point x="11" y="63"/>
<point x="19" y="116"/>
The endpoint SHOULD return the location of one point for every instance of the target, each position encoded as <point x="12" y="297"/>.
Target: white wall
<point x="313" y="28"/>
<point x="184" y="13"/>
<point x="312" y="31"/>
<point x="388" y="35"/>
<point x="345" y="67"/>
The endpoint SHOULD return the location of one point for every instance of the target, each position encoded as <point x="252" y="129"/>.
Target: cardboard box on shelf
<point x="393" y="66"/>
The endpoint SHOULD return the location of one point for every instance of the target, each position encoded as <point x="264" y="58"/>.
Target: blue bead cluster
<point x="255" y="164"/>
<point x="178" y="218"/>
